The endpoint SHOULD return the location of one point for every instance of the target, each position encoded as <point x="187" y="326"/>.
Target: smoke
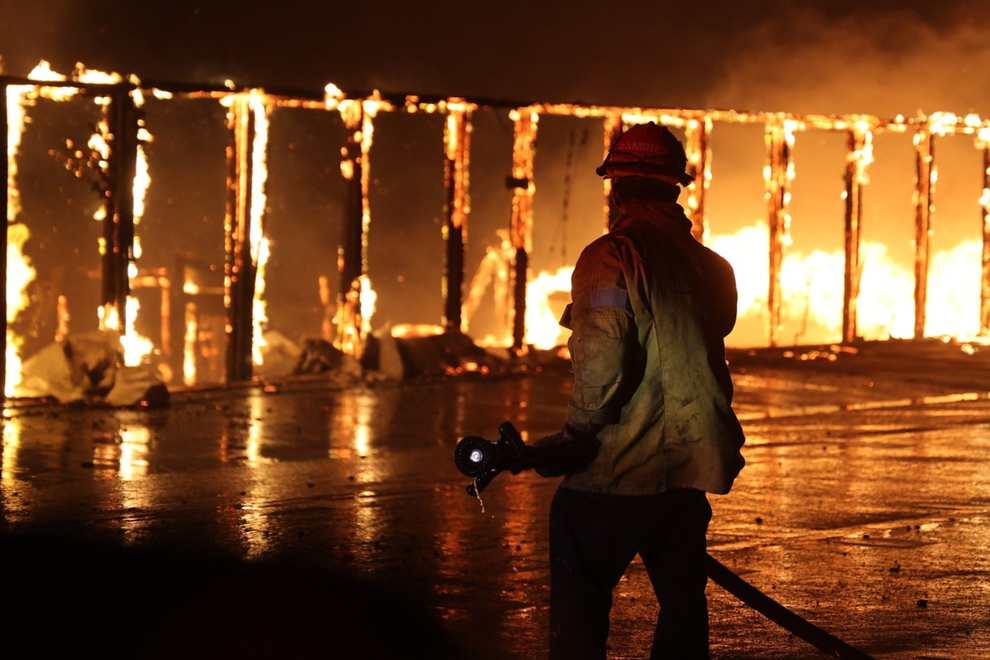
<point x="880" y="62"/>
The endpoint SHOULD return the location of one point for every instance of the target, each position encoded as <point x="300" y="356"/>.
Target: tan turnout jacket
<point x="650" y="309"/>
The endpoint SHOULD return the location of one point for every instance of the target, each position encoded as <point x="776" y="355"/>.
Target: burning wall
<point x="195" y="277"/>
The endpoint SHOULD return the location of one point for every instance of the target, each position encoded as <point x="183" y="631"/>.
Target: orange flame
<point x="260" y="247"/>
<point x="20" y="274"/>
<point x="814" y="281"/>
<point x="543" y="329"/>
<point x="189" y="345"/>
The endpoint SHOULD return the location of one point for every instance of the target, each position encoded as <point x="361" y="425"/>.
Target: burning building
<point x="212" y="228"/>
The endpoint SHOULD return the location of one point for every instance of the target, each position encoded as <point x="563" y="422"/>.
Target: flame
<point x="333" y="96"/>
<point x="542" y="327"/>
<point x="44" y="73"/>
<point x="16" y="119"/>
<point x="956" y="275"/>
<point x="813" y="282"/>
<point x="142" y="180"/>
<point x="942" y="123"/>
<point x="136" y="347"/>
<point x="368" y="298"/>
<point x="108" y="316"/>
<point x="259" y="307"/>
<point x="142" y="175"/>
<point x="20" y="273"/>
<point x="82" y="74"/>
<point x="259" y="105"/>
<point x="19" y="270"/>
<point x="886" y="291"/>
<point x="189" y="345"/>
<point x="886" y="296"/>
<point x="409" y="330"/>
<point x="493" y="271"/>
<point x="354" y="316"/>
<point x="260" y="245"/>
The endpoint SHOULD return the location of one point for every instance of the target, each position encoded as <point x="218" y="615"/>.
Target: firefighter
<point x="650" y="406"/>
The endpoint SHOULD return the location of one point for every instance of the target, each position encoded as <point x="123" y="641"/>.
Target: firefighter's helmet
<point x="647" y="150"/>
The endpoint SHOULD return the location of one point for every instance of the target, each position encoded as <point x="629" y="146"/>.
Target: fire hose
<point x="483" y="460"/>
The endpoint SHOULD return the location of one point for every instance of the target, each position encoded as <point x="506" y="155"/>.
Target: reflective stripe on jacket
<point x="650" y="309"/>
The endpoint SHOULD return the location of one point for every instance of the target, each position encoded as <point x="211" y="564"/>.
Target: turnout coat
<point x="650" y="309"/>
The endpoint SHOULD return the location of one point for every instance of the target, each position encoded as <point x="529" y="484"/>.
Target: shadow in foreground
<point x="62" y="595"/>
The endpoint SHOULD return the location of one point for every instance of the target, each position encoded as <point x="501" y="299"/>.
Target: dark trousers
<point x="594" y="537"/>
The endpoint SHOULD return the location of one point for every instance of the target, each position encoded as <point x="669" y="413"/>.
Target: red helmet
<point x="647" y="150"/>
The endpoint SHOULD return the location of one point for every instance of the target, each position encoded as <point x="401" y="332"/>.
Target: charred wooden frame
<point x="613" y="129"/>
<point x="924" y="142"/>
<point x="6" y="216"/>
<point x="457" y="208"/>
<point x="240" y="267"/>
<point x="985" y="225"/>
<point x="779" y="139"/>
<point x="521" y="229"/>
<point x="358" y="110"/>
<point x="857" y="159"/>
<point x="699" y="155"/>
<point x="118" y="229"/>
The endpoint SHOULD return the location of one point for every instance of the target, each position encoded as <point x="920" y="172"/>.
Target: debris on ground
<point x="89" y="367"/>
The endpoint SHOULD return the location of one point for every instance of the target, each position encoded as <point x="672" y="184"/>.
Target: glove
<point x="569" y="450"/>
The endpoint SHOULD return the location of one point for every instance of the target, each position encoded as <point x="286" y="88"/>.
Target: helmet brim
<point x="617" y="170"/>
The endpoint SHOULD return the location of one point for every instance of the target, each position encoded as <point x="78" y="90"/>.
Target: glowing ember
<point x="44" y="73"/>
<point x="82" y="74"/>
<point x="407" y="330"/>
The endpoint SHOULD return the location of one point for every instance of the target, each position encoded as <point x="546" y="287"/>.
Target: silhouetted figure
<point x="650" y="309"/>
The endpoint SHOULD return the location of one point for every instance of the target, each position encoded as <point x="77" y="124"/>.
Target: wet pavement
<point x="864" y="507"/>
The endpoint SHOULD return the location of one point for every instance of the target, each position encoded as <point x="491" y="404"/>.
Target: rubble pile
<point x="89" y="368"/>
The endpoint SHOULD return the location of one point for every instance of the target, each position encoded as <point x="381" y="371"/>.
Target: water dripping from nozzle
<point x="477" y="493"/>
